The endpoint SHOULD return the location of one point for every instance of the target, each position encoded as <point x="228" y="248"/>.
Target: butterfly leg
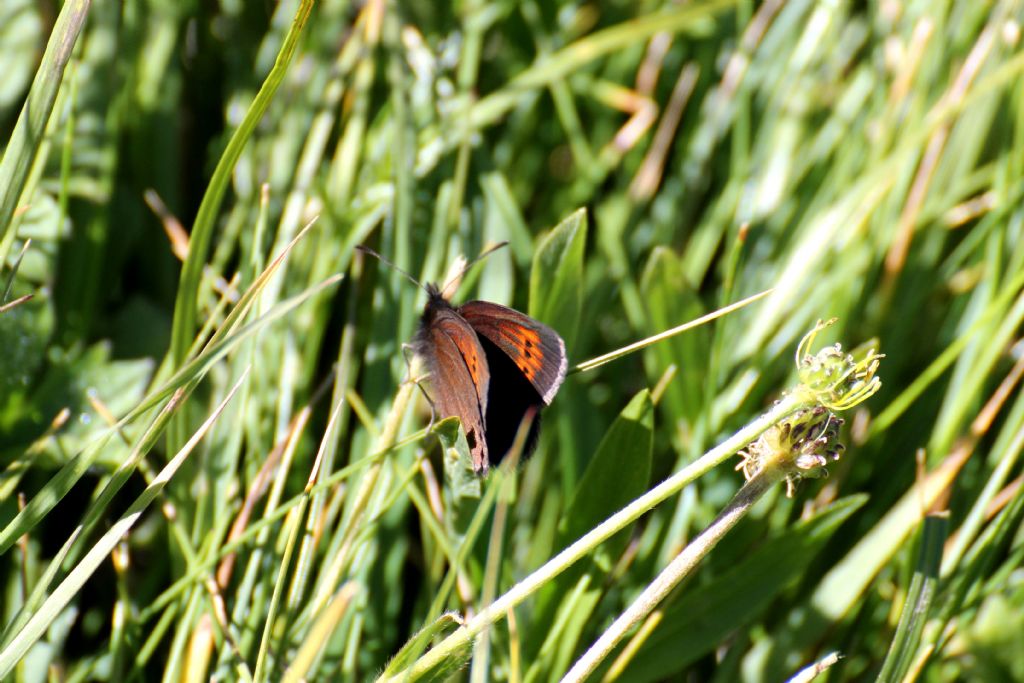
<point x="433" y="410"/>
<point x="408" y="351"/>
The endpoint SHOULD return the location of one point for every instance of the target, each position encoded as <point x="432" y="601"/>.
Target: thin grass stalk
<point x="495" y="548"/>
<point x="367" y="486"/>
<point x="662" y="336"/>
<point x="917" y="603"/>
<point x="346" y="366"/>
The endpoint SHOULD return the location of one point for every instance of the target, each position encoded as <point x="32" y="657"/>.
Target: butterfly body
<point x="492" y="367"/>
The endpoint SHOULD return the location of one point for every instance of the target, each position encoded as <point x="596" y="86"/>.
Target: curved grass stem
<point x="677" y="570"/>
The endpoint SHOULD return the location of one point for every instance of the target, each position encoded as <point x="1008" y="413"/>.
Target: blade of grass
<point x="20" y="153"/>
<point x="287" y="562"/>
<point x="186" y="299"/>
<point x="69" y="587"/>
<point x="917" y="603"/>
<point x="654" y="339"/>
<point x="308" y="654"/>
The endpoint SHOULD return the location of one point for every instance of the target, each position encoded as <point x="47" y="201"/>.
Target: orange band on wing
<point x="468" y="348"/>
<point x="530" y="359"/>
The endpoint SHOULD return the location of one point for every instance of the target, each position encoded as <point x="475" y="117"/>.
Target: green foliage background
<point x="647" y="162"/>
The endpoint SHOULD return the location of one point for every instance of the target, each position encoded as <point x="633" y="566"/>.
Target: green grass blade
<point x="917" y="604"/>
<point x="69" y="587"/>
<point x="206" y="218"/>
<point x="20" y="153"/>
<point x="556" y="296"/>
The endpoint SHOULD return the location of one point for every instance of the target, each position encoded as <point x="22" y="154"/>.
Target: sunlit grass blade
<point x="203" y="227"/>
<point x="76" y="578"/>
<point x="300" y="667"/>
<point x="62" y="482"/>
<point x="20" y="153"/>
<point x="654" y="339"/>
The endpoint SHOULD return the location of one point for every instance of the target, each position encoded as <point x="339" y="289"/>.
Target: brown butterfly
<point x="491" y="366"/>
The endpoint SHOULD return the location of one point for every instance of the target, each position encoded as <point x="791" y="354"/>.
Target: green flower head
<point x="836" y="380"/>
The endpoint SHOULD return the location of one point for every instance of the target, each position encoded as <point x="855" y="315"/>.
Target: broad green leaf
<point x="24" y="333"/>
<point x="463" y="484"/>
<point x="619" y="471"/>
<point x="671" y="301"/>
<point x="68" y="383"/>
<point x="556" y="280"/>
<point x="504" y="218"/>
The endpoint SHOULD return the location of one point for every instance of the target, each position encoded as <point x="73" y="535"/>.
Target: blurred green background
<point x="864" y="159"/>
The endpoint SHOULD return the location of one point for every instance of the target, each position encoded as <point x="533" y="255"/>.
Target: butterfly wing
<point x="459" y="375"/>
<point x="535" y="348"/>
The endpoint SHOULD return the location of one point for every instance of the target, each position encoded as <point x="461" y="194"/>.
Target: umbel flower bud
<point x="799" y="447"/>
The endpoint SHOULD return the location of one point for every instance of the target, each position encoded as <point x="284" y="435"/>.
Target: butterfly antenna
<point x="458" y="276"/>
<point x="371" y="252"/>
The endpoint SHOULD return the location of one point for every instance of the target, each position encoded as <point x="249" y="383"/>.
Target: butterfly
<point x="489" y="365"/>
